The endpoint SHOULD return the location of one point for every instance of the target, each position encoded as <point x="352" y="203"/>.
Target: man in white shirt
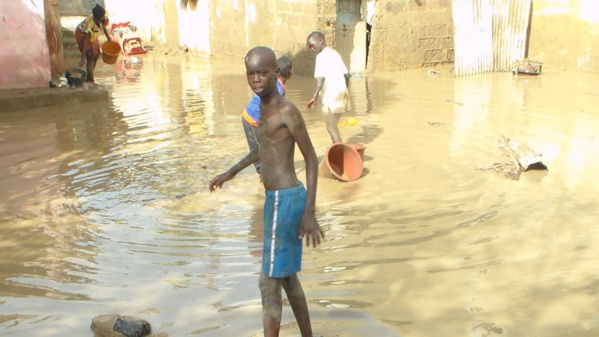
<point x="332" y="83"/>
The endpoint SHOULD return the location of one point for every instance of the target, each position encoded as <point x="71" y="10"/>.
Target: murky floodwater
<point x="105" y="208"/>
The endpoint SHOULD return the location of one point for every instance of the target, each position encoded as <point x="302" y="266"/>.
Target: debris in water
<point x="523" y="158"/>
<point x="527" y="67"/>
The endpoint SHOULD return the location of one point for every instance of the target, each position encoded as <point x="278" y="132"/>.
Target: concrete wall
<point x="24" y="55"/>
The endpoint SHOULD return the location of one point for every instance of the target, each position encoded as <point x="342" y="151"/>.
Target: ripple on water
<point x="110" y="210"/>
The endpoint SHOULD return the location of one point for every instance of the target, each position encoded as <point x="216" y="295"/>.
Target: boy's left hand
<point x="311" y="229"/>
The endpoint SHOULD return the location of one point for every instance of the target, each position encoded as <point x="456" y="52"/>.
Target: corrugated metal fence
<point x="489" y="35"/>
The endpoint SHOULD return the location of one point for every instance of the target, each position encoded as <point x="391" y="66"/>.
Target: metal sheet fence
<point x="489" y="35"/>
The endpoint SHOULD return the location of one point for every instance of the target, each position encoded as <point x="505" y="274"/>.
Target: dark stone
<point x="113" y="325"/>
<point x="132" y="327"/>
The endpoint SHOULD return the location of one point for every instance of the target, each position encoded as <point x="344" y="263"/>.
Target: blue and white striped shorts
<point x="282" y="252"/>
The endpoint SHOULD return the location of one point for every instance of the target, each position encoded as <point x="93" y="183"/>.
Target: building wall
<point x="565" y="34"/>
<point x="406" y="33"/>
<point x="282" y="25"/>
<point x="78" y="7"/>
<point x="24" y="56"/>
<point x="411" y="34"/>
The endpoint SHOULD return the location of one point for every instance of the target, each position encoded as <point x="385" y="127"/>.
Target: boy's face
<point x="261" y="74"/>
<point x="315" y="44"/>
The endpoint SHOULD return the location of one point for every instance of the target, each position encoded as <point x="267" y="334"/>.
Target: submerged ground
<point x="105" y="208"/>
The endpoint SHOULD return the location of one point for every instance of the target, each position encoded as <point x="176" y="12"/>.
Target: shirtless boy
<point x="251" y="114"/>
<point x="289" y="208"/>
<point x="332" y="83"/>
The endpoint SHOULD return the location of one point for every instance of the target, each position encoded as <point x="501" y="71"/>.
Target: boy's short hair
<point x="317" y="34"/>
<point x="285" y="66"/>
<point x="98" y="11"/>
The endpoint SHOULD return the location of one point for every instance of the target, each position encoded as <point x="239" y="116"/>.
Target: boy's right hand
<point x="219" y="180"/>
<point x="311" y="103"/>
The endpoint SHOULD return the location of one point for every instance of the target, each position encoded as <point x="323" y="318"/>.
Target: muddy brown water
<point x="105" y="208"/>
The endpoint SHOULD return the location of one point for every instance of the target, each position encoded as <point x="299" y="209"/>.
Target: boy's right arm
<point x="319" y="84"/>
<point x="219" y="180"/>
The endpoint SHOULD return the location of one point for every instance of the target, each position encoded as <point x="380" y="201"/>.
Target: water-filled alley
<point x="106" y="209"/>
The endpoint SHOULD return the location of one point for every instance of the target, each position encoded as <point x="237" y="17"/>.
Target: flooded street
<point x="106" y="209"/>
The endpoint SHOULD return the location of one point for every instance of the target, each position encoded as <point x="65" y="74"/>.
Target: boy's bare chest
<point x="272" y="127"/>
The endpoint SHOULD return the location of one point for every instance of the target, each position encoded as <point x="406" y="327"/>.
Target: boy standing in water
<point x="251" y="114"/>
<point x="289" y="208"/>
<point x="332" y="81"/>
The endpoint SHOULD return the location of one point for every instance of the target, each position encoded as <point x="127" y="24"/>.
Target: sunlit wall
<point x="24" y="54"/>
<point x="565" y="34"/>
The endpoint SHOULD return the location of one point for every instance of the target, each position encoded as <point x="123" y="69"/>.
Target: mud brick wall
<point x="564" y="35"/>
<point x="411" y="34"/>
<point x="283" y="25"/>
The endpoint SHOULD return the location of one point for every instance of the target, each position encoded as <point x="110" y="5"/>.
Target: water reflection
<point x="106" y="210"/>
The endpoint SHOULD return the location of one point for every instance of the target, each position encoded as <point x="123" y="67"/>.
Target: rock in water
<point x="120" y="326"/>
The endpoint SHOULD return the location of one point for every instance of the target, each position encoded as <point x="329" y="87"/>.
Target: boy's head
<point x="261" y="70"/>
<point x="285" y="67"/>
<point x="316" y="42"/>
<point x="99" y="12"/>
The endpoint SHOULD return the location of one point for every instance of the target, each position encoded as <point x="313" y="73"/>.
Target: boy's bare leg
<point x="332" y="121"/>
<point x="272" y="305"/>
<point x="297" y="300"/>
<point x="91" y="65"/>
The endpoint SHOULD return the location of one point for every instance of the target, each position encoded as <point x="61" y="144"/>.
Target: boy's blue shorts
<point x="282" y="252"/>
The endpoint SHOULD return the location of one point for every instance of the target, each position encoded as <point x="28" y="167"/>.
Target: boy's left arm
<point x="310" y="227"/>
<point x="106" y="30"/>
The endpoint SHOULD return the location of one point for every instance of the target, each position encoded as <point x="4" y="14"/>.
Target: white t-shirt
<point x="329" y="65"/>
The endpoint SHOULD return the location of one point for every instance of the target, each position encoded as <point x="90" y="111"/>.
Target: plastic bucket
<point x="342" y="162"/>
<point x="110" y="52"/>
<point x="360" y="148"/>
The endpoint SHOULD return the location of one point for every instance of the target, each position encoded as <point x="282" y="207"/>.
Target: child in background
<point x="86" y="34"/>
<point x="332" y="83"/>
<point x="251" y="113"/>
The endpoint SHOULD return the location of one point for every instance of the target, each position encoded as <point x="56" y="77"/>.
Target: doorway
<point x="350" y="34"/>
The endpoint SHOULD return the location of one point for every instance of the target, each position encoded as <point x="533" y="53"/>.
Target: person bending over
<point x="86" y="34"/>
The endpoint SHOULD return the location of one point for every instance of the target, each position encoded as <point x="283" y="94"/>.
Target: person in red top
<point x="86" y="34"/>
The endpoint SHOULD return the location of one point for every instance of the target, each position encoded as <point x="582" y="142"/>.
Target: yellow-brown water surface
<point x="105" y="208"/>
